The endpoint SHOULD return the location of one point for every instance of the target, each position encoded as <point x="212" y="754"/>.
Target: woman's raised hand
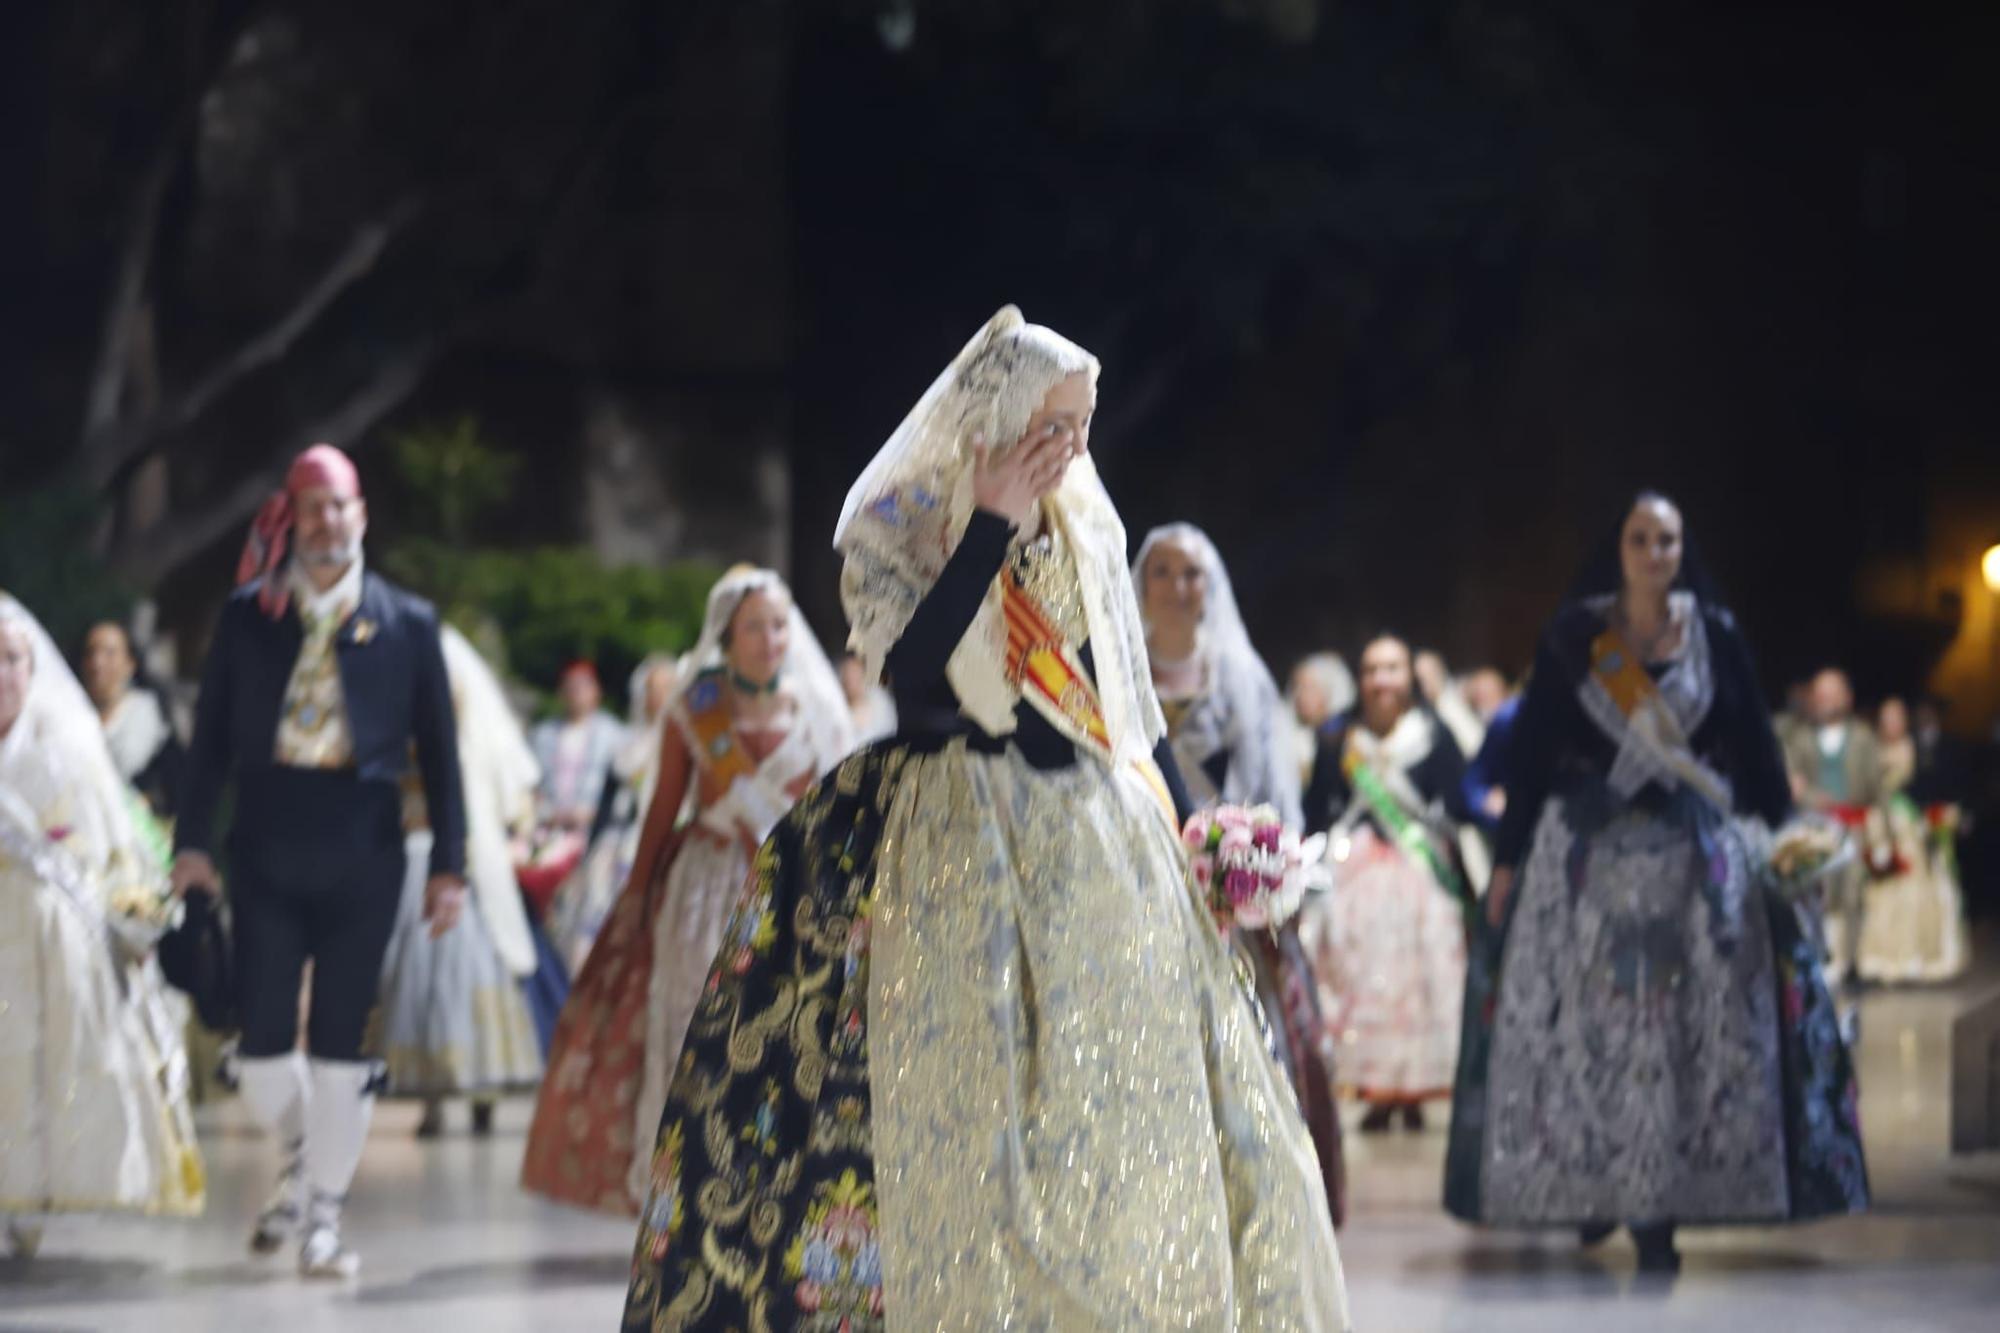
<point x="1014" y="482"/>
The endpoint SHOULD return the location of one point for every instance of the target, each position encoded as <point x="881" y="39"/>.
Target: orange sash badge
<point x="721" y="760"/>
<point x="1617" y="669"/>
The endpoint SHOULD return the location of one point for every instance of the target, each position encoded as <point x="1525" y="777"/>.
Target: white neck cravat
<point x="312" y="728"/>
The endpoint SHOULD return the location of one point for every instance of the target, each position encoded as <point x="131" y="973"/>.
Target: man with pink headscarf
<point x="321" y="678"/>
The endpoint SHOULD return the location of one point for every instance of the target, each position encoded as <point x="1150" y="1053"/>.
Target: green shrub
<point x="551" y="605"/>
<point x="531" y="611"/>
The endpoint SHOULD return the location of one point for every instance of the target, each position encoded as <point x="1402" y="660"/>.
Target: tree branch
<point x="212" y="30"/>
<point x="148" y="557"/>
<point x="135" y="261"/>
<point x="353" y="263"/>
<point x="121" y="445"/>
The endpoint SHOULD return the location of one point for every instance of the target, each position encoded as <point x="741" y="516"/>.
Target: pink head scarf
<point x="269" y="542"/>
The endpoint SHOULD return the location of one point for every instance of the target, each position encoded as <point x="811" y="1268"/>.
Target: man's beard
<point x="338" y="556"/>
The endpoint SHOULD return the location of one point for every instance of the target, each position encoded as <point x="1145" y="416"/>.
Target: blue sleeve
<point x="1488" y="768"/>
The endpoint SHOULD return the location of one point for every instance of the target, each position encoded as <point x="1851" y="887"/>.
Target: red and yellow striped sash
<point x="1043" y="666"/>
<point x="1040" y="664"/>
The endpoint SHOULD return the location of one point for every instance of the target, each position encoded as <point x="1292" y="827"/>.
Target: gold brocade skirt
<point x="1076" y="1122"/>
<point x="972" y="1056"/>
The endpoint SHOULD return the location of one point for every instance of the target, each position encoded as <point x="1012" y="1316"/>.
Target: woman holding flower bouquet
<point x="1225" y="717"/>
<point x="1648" y="1039"/>
<point x="93" y="1078"/>
<point x="1389" y="939"/>
<point x="973" y="1050"/>
<point x="1231" y="736"/>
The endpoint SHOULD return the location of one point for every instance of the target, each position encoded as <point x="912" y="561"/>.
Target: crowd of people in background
<point x="566" y="908"/>
<point x="1406" y="765"/>
<point x="1898" y="782"/>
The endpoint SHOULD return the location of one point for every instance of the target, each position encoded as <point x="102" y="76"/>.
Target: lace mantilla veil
<point x="1258" y="725"/>
<point x="59" y="717"/>
<point x="806" y="674"/>
<point x="905" y="515"/>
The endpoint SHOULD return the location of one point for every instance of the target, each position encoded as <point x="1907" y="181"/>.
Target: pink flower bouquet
<point x="1247" y="866"/>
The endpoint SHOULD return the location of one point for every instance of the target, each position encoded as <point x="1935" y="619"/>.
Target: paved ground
<point x="451" y="1243"/>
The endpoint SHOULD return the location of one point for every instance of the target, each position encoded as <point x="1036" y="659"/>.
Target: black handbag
<point x="196" y="958"/>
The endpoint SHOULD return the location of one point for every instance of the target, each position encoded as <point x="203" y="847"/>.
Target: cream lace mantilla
<point x="906" y="514"/>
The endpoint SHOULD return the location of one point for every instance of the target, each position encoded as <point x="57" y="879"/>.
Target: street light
<point x="1989" y="568"/>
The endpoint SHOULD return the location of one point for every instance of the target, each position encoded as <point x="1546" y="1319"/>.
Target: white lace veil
<point x="806" y="674"/>
<point x="499" y="774"/>
<point x="58" y="717"/>
<point x="905" y="515"/>
<point x="1254" y="723"/>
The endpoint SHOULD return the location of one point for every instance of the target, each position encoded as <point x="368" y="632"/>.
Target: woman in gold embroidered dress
<point x="973" y="1054"/>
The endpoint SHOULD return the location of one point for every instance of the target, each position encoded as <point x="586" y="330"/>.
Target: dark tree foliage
<point x="261" y="222"/>
<point x="1395" y="296"/>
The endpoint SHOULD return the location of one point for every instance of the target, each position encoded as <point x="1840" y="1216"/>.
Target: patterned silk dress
<point x="1650" y="1038"/>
